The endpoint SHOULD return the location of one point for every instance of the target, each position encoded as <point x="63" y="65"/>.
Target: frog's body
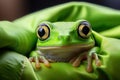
<point x="66" y="42"/>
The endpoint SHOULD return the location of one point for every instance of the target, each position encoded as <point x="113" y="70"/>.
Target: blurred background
<point x="13" y="9"/>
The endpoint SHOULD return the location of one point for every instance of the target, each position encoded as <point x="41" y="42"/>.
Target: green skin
<point x="19" y="40"/>
<point x="65" y="42"/>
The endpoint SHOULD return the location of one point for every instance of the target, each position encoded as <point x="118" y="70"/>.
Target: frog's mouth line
<point x="64" y="53"/>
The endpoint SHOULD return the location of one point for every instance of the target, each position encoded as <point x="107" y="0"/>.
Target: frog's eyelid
<point x="50" y="25"/>
<point x="43" y="24"/>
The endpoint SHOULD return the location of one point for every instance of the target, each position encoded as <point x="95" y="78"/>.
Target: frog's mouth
<point x="63" y="53"/>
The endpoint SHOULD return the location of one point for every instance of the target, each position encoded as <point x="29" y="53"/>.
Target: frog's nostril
<point x="64" y="38"/>
<point x="68" y="38"/>
<point x="60" y="37"/>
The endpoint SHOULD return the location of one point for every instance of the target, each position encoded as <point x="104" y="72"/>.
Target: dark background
<point x="13" y="9"/>
<point x="40" y="4"/>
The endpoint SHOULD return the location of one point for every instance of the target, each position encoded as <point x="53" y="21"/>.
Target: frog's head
<point x="64" y="39"/>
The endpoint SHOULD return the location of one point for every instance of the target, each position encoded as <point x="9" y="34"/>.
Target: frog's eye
<point x="43" y="32"/>
<point x="84" y="29"/>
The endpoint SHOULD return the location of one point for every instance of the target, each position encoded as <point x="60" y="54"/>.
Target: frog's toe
<point x="76" y="61"/>
<point x="45" y="61"/>
<point x="97" y="61"/>
<point x="89" y="69"/>
<point x="36" y="60"/>
<point x="31" y="59"/>
<point x="39" y="60"/>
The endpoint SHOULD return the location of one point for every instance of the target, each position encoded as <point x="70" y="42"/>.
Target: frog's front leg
<point x="37" y="58"/>
<point x="76" y="61"/>
<point x="92" y="54"/>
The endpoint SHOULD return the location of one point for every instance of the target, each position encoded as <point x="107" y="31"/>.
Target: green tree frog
<point x="66" y="42"/>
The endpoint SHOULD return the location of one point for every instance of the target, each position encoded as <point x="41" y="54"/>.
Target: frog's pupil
<point x="85" y="30"/>
<point x="41" y="32"/>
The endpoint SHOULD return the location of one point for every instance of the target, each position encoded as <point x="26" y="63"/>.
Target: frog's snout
<point x="64" y="38"/>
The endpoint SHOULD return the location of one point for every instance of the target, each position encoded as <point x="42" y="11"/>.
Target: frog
<point x="70" y="42"/>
